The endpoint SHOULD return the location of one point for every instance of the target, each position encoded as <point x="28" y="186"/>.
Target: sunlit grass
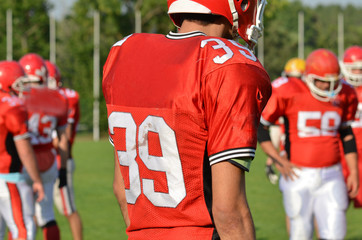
<point x="102" y="218"/>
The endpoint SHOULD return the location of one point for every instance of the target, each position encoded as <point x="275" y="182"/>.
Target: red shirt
<point x="13" y="117"/>
<point x="72" y="97"/>
<point x="47" y="110"/>
<point x="357" y="131"/>
<point x="357" y="124"/>
<point x="176" y="105"/>
<point x="311" y="125"/>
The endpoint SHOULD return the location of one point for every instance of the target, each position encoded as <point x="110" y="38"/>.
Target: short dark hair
<point x="203" y="18"/>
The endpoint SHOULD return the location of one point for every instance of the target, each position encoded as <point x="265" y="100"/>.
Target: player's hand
<point x="352" y="184"/>
<point x="62" y="177"/>
<point x="39" y="190"/>
<point x="286" y="168"/>
<point x="271" y="174"/>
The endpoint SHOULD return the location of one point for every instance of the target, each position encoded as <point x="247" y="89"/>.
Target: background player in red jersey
<point x="295" y="68"/>
<point x="16" y="199"/>
<point x="183" y="111"/>
<point x="352" y="70"/>
<point x="64" y="197"/>
<point x="318" y="113"/>
<point x="47" y="110"/>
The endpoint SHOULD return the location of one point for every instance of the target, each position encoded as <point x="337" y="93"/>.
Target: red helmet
<point x="322" y="65"/>
<point x="246" y="16"/>
<point x="352" y="65"/>
<point x="11" y="74"/>
<point x="34" y="67"/>
<point x="54" y="78"/>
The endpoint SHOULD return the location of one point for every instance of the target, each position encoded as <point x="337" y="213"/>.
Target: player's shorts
<point x="17" y="209"/>
<point x="318" y="192"/>
<point x="64" y="197"/>
<point x="44" y="211"/>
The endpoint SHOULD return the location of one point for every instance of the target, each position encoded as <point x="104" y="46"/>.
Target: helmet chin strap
<point x="235" y="15"/>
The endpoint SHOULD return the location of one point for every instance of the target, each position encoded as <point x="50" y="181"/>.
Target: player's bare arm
<point x="69" y="132"/>
<point x="230" y="208"/>
<point x="63" y="150"/>
<point x="119" y="190"/>
<point x="350" y="154"/>
<point x="282" y="163"/>
<point x="28" y="159"/>
<point x="63" y="147"/>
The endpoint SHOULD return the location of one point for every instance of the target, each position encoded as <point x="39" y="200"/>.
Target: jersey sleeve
<point x="15" y="121"/>
<point x="73" y="105"/>
<point x="349" y="112"/>
<point x="107" y="83"/>
<point x="63" y="111"/>
<point x="276" y="105"/>
<point x="235" y="97"/>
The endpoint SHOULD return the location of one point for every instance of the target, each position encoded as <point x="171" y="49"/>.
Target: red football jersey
<point x="176" y="105"/>
<point x="357" y="130"/>
<point x="357" y="124"/>
<point x="13" y="118"/>
<point x="311" y="125"/>
<point x="47" y="111"/>
<point x="72" y="97"/>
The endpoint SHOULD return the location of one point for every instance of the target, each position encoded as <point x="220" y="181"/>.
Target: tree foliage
<point x="75" y="35"/>
<point x="30" y="27"/>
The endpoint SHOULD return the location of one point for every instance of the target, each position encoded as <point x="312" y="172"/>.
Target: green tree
<point x="30" y="27"/>
<point x="75" y="41"/>
<point x="281" y="35"/>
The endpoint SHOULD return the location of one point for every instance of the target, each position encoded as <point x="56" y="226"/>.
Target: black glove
<point x="62" y="177"/>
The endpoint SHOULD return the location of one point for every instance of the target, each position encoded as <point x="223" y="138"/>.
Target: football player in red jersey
<point x="352" y="71"/>
<point x="47" y="110"/>
<point x="295" y="68"/>
<point x="318" y="113"/>
<point x="183" y="111"/>
<point x="64" y="198"/>
<point x="16" y="198"/>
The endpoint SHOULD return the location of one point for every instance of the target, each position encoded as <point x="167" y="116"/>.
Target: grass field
<point x="102" y="218"/>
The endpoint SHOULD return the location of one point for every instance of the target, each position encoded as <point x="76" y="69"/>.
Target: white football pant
<point x="319" y="193"/>
<point x="44" y="211"/>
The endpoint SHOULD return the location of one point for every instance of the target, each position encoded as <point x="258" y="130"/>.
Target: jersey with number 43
<point x="176" y="105"/>
<point x="311" y="125"/>
<point x="47" y="111"/>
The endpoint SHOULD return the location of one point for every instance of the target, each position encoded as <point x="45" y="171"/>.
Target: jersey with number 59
<point x="176" y="105"/>
<point x="311" y="125"/>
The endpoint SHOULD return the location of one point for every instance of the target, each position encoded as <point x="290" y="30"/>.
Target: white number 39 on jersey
<point x="169" y="162"/>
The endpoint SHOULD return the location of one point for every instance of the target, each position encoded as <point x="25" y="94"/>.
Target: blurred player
<point x="317" y="113"/>
<point x="16" y="196"/>
<point x="183" y="111"/>
<point x="64" y="200"/>
<point x="295" y="68"/>
<point x="352" y="71"/>
<point x="47" y="111"/>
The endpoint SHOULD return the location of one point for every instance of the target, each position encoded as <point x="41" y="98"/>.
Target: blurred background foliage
<point x="74" y="35"/>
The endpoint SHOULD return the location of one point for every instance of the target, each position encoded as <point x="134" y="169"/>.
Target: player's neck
<point x="212" y="29"/>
